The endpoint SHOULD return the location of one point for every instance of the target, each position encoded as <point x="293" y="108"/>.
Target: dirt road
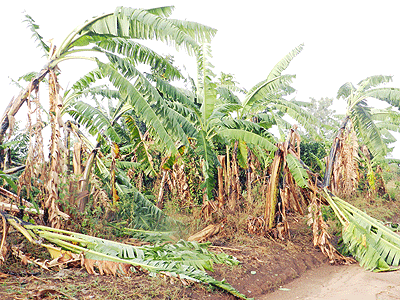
<point x="341" y="283"/>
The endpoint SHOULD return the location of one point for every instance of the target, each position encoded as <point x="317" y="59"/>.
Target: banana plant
<point x="265" y="102"/>
<point x="118" y="31"/>
<point x="359" y="117"/>
<point x="184" y="260"/>
<point x="210" y="111"/>
<point x="203" y="113"/>
<point x="219" y="116"/>
<point x="114" y="34"/>
<point x="374" y="245"/>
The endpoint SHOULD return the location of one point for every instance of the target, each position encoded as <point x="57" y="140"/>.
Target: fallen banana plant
<point x="184" y="260"/>
<point x="374" y="245"/>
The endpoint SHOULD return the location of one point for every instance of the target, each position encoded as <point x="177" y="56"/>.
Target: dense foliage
<point x="135" y="139"/>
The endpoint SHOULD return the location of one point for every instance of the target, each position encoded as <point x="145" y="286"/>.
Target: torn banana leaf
<point x="374" y="245"/>
<point x="184" y="260"/>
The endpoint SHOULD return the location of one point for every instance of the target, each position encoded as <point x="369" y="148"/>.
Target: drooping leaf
<point x="248" y="137"/>
<point x="139" y="102"/>
<point x="186" y="260"/>
<point x="298" y="172"/>
<point x="374" y="245"/>
<point x="35" y="34"/>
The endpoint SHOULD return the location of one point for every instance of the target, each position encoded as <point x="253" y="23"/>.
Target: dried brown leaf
<point x="105" y="267"/>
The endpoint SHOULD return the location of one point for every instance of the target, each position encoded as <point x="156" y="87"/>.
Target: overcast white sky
<point x="344" y="40"/>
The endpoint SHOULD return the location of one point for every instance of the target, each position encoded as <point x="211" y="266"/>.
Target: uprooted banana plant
<point x="374" y="245"/>
<point x="186" y="261"/>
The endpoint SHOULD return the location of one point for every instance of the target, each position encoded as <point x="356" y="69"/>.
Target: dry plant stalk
<point x="345" y="175"/>
<point x="35" y="164"/>
<point x="61" y="259"/>
<point x="160" y="199"/>
<point x="208" y="208"/>
<point x="272" y="190"/>
<point x="207" y="232"/>
<point x="3" y="246"/>
<point x="380" y="183"/>
<point x="288" y="193"/>
<point x="16" y="103"/>
<point x="178" y="184"/>
<point x="255" y="225"/>
<point x="321" y="237"/>
<point x="57" y="165"/>
<point x="221" y="172"/>
<point x="77" y="158"/>
<point x="249" y="175"/>
<point x="114" y="155"/>
<point x="234" y="183"/>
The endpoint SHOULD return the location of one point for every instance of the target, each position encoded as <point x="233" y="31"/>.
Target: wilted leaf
<point x="106" y="267"/>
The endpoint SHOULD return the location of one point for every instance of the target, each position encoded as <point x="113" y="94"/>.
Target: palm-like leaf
<point x="138" y="145"/>
<point x="346" y="90"/>
<point x="273" y="83"/>
<point x="298" y="172"/>
<point x="389" y="95"/>
<point x="373" y="81"/>
<point x="284" y="62"/>
<point x="374" y="245"/>
<point x="247" y="137"/>
<point x="38" y="38"/>
<point x="140" y="54"/>
<point x="186" y="260"/>
<point x="130" y="23"/>
<point x="139" y="102"/>
<point x="207" y="88"/>
<point x="366" y="129"/>
<point x="95" y="120"/>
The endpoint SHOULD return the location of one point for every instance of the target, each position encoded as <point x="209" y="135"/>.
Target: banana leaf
<point x="184" y="260"/>
<point x="374" y="245"/>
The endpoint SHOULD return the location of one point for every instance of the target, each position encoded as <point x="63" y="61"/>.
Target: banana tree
<point x="116" y="32"/>
<point x="120" y="32"/>
<point x="359" y="117"/>
<point x="204" y="113"/>
<point x="265" y="103"/>
<point x="186" y="261"/>
<point x="375" y="246"/>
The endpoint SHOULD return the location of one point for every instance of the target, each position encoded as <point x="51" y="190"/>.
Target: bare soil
<point x="266" y="265"/>
<point x="341" y="282"/>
